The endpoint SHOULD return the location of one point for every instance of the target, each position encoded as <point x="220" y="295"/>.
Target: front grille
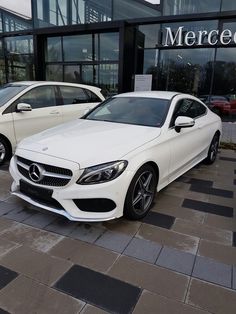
<point x="52" y="175"/>
<point x="40" y="195"/>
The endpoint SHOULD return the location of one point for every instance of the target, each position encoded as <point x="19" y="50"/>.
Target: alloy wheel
<point x="143" y="192"/>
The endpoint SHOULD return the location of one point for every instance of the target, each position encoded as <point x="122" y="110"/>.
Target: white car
<point x="27" y="108"/>
<point x="113" y="160"/>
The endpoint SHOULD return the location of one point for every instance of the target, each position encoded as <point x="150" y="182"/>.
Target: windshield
<point x="132" y="110"/>
<point x="9" y="91"/>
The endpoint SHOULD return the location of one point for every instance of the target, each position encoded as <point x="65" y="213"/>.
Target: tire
<point x="4" y="150"/>
<point x="213" y="150"/>
<point x="141" y="193"/>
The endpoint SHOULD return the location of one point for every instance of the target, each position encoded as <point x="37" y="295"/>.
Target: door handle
<point x="54" y="112"/>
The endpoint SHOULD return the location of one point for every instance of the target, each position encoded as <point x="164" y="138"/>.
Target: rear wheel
<point x="213" y="150"/>
<point x="141" y="193"/>
<point x="4" y="150"/>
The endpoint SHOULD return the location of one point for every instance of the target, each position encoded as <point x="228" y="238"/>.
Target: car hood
<point x="90" y="142"/>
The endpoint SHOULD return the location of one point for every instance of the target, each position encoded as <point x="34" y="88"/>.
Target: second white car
<point x="27" y="108"/>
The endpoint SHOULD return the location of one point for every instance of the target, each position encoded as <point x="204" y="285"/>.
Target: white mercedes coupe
<point x="112" y="161"/>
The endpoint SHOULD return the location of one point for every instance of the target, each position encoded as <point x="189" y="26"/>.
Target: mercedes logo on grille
<point x="36" y="172"/>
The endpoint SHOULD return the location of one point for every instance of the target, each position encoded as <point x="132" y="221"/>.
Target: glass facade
<point x="19" y="58"/>
<point x="89" y="59"/>
<point x="69" y="12"/>
<point x="187" y="51"/>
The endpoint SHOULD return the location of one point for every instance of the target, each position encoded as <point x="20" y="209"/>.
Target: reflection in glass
<point x="150" y="33"/>
<point x="176" y="7"/>
<point x="54" y="49"/>
<point x="124" y="9"/>
<point x="228" y="5"/>
<point x="225" y="72"/>
<point x="108" y="77"/>
<point x="19" y="56"/>
<point x="187" y="71"/>
<point x="2" y="65"/>
<point x="77" y="48"/>
<point x="107" y="47"/>
<point x="54" y="72"/>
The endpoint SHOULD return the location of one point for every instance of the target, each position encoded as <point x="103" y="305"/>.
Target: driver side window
<point x="188" y="108"/>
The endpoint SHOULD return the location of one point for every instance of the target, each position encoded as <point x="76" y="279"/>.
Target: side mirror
<point x="183" y="122"/>
<point x="23" y="107"/>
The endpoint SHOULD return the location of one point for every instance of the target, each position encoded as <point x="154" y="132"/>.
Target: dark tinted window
<point x="39" y="97"/>
<point x="92" y="97"/>
<point x="189" y="108"/>
<point x="132" y="110"/>
<point x="73" y="95"/>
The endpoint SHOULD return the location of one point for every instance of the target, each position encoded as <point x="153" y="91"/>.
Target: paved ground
<point x="180" y="259"/>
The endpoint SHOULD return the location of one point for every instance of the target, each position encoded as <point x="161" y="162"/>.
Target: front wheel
<point x="141" y="193"/>
<point x="4" y="151"/>
<point x="213" y="150"/>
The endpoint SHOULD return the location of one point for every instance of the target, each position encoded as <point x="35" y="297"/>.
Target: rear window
<point x="9" y="91"/>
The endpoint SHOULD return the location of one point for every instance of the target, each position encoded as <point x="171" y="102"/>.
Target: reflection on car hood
<point x="90" y="142"/>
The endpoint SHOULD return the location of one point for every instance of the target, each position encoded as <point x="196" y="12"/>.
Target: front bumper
<point x="114" y="191"/>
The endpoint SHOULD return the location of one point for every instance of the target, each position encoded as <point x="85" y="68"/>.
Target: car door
<point x="190" y="144"/>
<point x="76" y="101"/>
<point x="44" y="114"/>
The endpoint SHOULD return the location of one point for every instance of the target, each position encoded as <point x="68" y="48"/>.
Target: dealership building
<point x="186" y="45"/>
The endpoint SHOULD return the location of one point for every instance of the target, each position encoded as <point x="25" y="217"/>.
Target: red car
<point x="218" y="104"/>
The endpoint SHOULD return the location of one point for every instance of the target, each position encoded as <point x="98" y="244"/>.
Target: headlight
<point x="103" y="173"/>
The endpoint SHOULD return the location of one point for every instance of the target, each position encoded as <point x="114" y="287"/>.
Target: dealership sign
<point x="181" y="37"/>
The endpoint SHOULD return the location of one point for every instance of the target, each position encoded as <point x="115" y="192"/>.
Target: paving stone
<point x="6" y="208"/>
<point x="6" y="224"/>
<point x="220" y="222"/>
<point x="87" y="232"/>
<point x="19" y="214"/>
<point x="228" y="159"/>
<point x="209" y="207"/>
<point x="176" y="260"/>
<point x="38" y="266"/>
<point x="85" y="254"/>
<point x="29" y="236"/>
<point x="234" y="239"/>
<point x="123" y="226"/>
<point x="24" y="295"/>
<point x="150" y="277"/>
<point x="62" y="226"/>
<point x="183" y="213"/>
<point x="234" y="277"/>
<point x="3" y="312"/>
<point x="169" y="238"/>
<point x="99" y="289"/>
<point x="6" y="246"/>
<point x="6" y="276"/>
<point x="212" y="191"/>
<point x="40" y="220"/>
<point x="215" y="272"/>
<point x="143" y="249"/>
<point x="114" y="241"/>
<point x="158" y="219"/>
<point x="223" y="253"/>
<point x="150" y="303"/>
<point x="212" y="298"/>
<point x="203" y="231"/>
<point x="90" y="309"/>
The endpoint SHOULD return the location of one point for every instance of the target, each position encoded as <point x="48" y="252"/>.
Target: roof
<point x="151" y="94"/>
